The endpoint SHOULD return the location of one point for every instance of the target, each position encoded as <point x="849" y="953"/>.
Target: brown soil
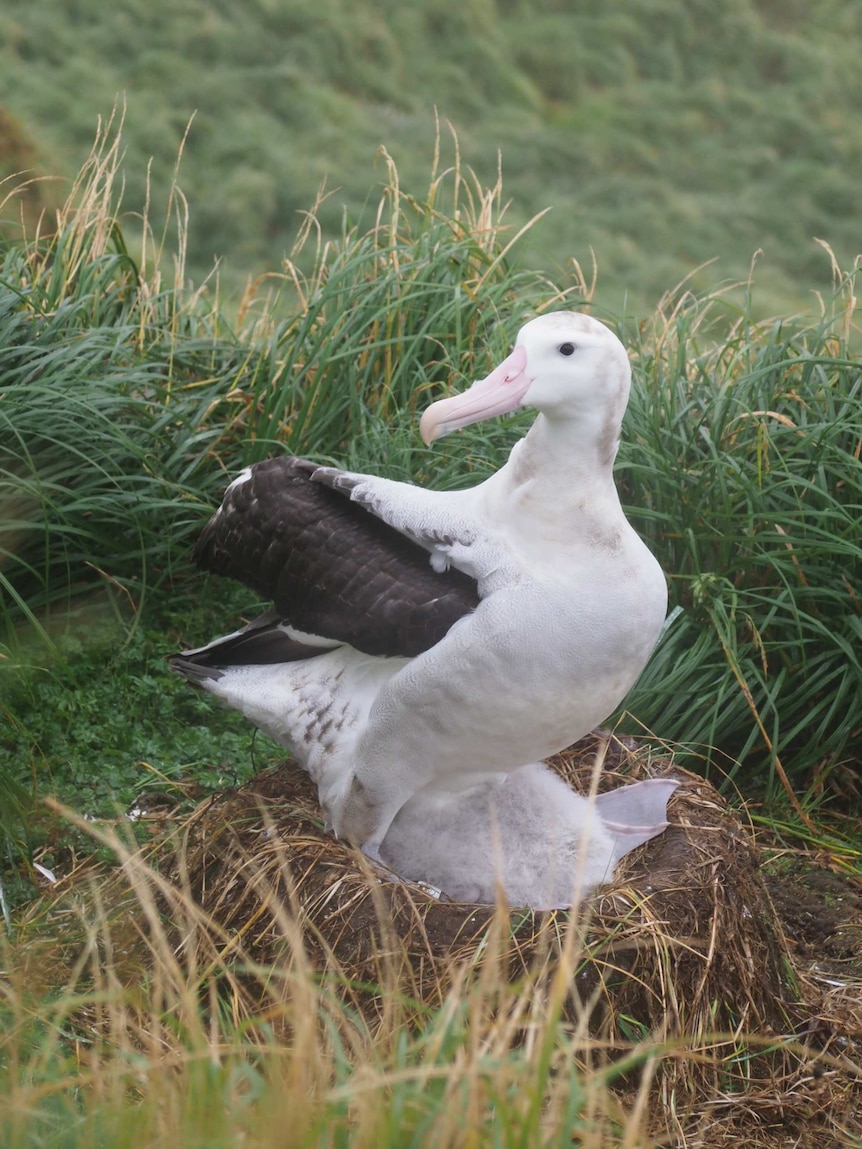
<point x="821" y="915"/>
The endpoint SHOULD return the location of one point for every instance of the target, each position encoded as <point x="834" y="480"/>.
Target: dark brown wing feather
<point x="262" y="642"/>
<point x="330" y="567"/>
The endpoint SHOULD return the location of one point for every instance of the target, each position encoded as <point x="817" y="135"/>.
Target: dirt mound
<point x="684" y="947"/>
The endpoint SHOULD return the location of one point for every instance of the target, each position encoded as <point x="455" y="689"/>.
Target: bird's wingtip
<point x="192" y="671"/>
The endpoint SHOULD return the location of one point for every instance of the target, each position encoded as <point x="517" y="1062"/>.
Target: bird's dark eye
<point x="567" y="349"/>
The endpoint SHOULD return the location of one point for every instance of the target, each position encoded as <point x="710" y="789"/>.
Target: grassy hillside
<point x="661" y="134"/>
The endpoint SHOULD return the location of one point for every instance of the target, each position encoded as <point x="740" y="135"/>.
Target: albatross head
<point x="564" y="364"/>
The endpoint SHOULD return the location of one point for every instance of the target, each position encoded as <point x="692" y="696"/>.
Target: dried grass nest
<point x="684" y="942"/>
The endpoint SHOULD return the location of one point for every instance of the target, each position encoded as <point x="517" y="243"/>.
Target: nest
<point x="683" y="949"/>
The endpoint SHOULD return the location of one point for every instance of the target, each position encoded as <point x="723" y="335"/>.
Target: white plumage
<point x="432" y="760"/>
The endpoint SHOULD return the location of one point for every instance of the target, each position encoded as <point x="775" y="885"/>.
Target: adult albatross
<point x="427" y="650"/>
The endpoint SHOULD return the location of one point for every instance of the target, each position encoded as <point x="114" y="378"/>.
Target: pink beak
<point x="501" y="392"/>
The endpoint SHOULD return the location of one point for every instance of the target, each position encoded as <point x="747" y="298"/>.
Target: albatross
<point x="427" y="650"/>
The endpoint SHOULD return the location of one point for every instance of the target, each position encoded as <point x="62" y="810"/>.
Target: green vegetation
<point x="742" y="467"/>
<point x="125" y="403"/>
<point x="662" y="134"/>
<point x="128" y="403"/>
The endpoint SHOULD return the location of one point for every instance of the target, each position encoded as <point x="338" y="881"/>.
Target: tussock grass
<point x="93" y="465"/>
<point x="742" y="468"/>
<point x="128" y="402"/>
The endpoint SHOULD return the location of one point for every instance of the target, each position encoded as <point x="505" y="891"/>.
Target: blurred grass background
<point x="662" y="135"/>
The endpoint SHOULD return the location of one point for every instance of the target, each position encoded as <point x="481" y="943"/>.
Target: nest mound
<point x="683" y="950"/>
<point x="683" y="942"/>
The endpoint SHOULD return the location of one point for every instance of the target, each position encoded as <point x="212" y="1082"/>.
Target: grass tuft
<point x="741" y="467"/>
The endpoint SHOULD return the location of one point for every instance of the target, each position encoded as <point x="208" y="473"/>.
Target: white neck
<point x="557" y="494"/>
<point x="570" y="453"/>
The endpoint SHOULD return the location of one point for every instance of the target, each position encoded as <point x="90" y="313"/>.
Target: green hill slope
<point x="661" y="134"/>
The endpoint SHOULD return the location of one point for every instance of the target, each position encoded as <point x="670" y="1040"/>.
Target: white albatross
<point x="427" y="650"/>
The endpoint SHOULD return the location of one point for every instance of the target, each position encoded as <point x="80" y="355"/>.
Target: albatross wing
<point x="331" y="568"/>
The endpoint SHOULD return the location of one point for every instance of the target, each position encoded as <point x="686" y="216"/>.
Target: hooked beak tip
<point x="429" y="430"/>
